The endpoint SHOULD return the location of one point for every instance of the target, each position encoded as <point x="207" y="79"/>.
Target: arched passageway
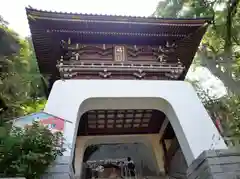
<point x="106" y="130"/>
<point x="177" y="100"/>
<point x="185" y="140"/>
<point x="142" y="155"/>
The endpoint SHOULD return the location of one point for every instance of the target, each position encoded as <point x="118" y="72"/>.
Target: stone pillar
<point x="61" y="169"/>
<point x="216" y="164"/>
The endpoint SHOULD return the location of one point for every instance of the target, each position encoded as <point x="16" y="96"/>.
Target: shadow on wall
<point x="143" y="157"/>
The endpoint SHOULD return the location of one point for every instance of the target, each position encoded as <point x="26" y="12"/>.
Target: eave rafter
<point x="49" y="28"/>
<point x="73" y="65"/>
<point x="117" y="33"/>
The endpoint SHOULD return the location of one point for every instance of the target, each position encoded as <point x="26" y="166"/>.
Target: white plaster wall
<point x="150" y="140"/>
<point x="195" y="131"/>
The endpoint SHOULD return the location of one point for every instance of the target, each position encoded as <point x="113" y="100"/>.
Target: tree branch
<point x="234" y="5"/>
<point x="227" y="80"/>
<point x="231" y="11"/>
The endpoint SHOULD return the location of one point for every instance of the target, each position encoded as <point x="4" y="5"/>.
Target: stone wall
<point x="212" y="164"/>
<point x="216" y="164"/>
<point x="61" y="169"/>
<point x="14" y="178"/>
<point x="178" y="166"/>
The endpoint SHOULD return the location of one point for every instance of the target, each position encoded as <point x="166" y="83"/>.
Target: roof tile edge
<point x="34" y="11"/>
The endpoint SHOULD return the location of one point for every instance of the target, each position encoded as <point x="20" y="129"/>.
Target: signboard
<point x="52" y="122"/>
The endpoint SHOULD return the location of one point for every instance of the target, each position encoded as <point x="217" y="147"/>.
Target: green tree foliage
<point x="21" y="84"/>
<point x="220" y="49"/>
<point x="28" y="152"/>
<point x="9" y="43"/>
<point x="219" y="52"/>
<point x="23" y="152"/>
<point x="226" y="109"/>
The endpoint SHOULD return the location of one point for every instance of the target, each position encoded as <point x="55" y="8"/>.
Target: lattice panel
<point x="121" y="121"/>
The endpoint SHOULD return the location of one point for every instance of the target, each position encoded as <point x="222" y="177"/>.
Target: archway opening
<point x="106" y="129"/>
<point x="115" y="155"/>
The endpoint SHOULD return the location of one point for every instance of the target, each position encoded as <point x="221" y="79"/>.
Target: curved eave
<point x="119" y="18"/>
<point x="49" y="28"/>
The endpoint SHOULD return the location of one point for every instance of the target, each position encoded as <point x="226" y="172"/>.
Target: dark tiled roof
<point x="65" y="15"/>
<point x="49" y="28"/>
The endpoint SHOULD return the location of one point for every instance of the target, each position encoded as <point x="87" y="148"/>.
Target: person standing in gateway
<point x="131" y="166"/>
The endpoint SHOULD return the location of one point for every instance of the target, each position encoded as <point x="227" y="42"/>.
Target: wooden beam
<point x="163" y="128"/>
<point x="172" y="149"/>
<point x="166" y="162"/>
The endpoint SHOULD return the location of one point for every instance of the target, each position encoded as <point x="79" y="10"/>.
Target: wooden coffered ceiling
<point x="116" y="122"/>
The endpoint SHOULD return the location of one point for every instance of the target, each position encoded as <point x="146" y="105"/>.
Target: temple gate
<point x="119" y="80"/>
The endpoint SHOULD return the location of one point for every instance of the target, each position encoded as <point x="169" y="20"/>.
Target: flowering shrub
<point x="28" y="152"/>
